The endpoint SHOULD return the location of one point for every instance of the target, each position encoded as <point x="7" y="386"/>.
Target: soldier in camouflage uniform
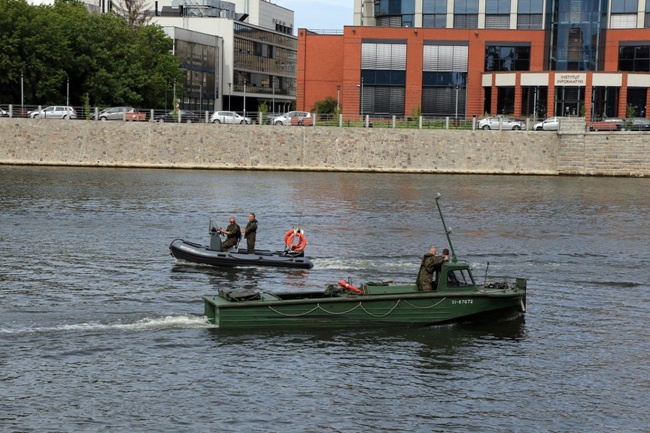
<point x="232" y="232"/>
<point x="430" y="262"/>
<point x="249" y="233"/>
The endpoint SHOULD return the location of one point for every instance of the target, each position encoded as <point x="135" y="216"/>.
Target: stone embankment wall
<point x="207" y="146"/>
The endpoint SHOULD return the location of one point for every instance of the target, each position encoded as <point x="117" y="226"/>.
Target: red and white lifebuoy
<point x="350" y="287"/>
<point x="295" y="240"/>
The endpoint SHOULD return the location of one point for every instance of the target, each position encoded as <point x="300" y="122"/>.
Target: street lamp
<point x="22" y="95"/>
<point x="67" y="96"/>
<point x="361" y="105"/>
<point x="456" y="102"/>
<point x="273" y="103"/>
<point x="229" y="95"/>
<point x="244" y="98"/>
<point x="338" y="98"/>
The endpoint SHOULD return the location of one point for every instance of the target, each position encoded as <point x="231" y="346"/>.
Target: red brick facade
<point x="328" y="61"/>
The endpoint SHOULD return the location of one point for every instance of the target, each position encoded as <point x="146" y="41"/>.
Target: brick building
<point x="459" y="58"/>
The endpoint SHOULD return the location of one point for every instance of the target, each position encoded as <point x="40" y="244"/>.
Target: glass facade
<point x="201" y="64"/>
<point x="262" y="58"/>
<point x="575" y="34"/>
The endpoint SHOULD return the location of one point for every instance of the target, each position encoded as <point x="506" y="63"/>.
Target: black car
<point x="186" y="117"/>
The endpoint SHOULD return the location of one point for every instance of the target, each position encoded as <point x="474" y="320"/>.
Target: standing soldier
<point x="249" y="233"/>
<point x="429" y="264"/>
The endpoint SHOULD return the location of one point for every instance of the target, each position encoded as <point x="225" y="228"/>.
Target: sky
<point x="319" y="14"/>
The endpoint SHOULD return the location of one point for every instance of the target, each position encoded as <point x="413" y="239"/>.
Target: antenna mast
<point x="447" y="232"/>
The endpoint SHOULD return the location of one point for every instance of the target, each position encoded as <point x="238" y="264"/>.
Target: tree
<point x="325" y="106"/>
<point x="135" y="12"/>
<point x="100" y="55"/>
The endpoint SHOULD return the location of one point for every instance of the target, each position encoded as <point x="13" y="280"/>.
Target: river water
<point x="102" y="330"/>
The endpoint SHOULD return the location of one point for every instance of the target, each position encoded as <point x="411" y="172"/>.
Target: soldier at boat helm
<point x="430" y="264"/>
<point x="232" y="232"/>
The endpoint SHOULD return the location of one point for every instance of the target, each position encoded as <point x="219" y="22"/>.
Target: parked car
<point x="229" y="117"/>
<point x="285" y="119"/>
<point x="550" y="124"/>
<point x="609" y="124"/>
<point x="186" y="117"/>
<point x="54" y="112"/>
<point x="638" y="124"/>
<point x="499" y="122"/>
<point x="270" y="117"/>
<point x="113" y="113"/>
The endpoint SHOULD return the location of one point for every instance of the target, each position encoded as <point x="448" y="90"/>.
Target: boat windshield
<point x="459" y="278"/>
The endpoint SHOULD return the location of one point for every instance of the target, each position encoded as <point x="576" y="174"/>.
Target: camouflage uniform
<point x="251" y="229"/>
<point x="429" y="264"/>
<point x="234" y="233"/>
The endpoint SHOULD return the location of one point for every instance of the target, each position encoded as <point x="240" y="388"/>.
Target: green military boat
<point x="456" y="298"/>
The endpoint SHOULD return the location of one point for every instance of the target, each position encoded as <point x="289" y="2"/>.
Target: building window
<point x="444" y="80"/>
<point x="529" y="14"/>
<point x="634" y="58"/>
<point x="507" y="58"/>
<point x="624" y="6"/>
<point x="624" y="14"/>
<point x="434" y="14"/>
<point x="392" y="13"/>
<point x="497" y="14"/>
<point x="383" y="74"/>
<point x="466" y="14"/>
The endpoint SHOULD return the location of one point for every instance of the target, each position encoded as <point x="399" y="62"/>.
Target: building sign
<point x="570" y="79"/>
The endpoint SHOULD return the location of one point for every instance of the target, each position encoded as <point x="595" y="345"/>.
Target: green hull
<point x="378" y="306"/>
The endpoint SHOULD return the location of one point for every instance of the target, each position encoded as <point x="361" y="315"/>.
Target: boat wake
<point x="147" y="323"/>
<point x="396" y="265"/>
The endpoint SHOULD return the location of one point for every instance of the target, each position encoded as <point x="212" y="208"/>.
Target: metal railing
<point x="325" y="120"/>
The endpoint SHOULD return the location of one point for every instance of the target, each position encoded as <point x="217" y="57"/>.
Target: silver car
<point x="54" y="112"/>
<point x="113" y="113"/>
<point x="229" y="117"/>
<point x="499" y="122"/>
<point x="550" y="124"/>
<point x="285" y="119"/>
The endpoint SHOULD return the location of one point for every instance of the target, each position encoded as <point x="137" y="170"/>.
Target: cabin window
<point x="459" y="278"/>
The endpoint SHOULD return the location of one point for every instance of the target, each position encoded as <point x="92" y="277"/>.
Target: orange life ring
<point x="295" y="240"/>
<point x="350" y="287"/>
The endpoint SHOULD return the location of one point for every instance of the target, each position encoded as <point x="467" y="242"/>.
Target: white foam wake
<point x="179" y="321"/>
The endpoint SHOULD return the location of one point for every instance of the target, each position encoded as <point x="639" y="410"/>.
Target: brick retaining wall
<point x="208" y="146"/>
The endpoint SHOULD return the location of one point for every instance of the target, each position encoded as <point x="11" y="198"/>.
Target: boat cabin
<point x="453" y="276"/>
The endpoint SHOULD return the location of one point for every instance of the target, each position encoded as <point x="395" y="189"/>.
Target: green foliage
<point x="263" y="107"/>
<point x="102" y="56"/>
<point x="325" y="106"/>
<point x="630" y="112"/>
<point x="416" y="111"/>
<point x="87" y="107"/>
